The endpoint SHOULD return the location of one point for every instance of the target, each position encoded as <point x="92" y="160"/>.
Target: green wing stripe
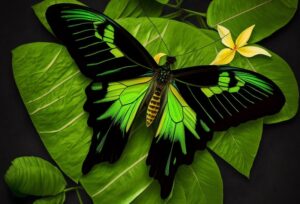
<point x="79" y="14"/>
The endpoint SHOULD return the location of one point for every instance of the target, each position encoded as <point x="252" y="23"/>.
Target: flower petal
<point x="225" y="56"/>
<point x="250" y="51"/>
<point x="226" y="36"/>
<point x="244" y="36"/>
<point x="158" y="56"/>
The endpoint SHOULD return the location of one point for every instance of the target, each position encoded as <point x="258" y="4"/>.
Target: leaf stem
<point x="173" y="15"/>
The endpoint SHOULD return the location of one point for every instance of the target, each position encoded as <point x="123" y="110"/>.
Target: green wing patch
<point x="127" y="97"/>
<point x="176" y="116"/>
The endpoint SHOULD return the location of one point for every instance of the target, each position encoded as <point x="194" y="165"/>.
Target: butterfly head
<point x="170" y="60"/>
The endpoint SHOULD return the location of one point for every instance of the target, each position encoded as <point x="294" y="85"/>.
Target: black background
<point x="275" y="175"/>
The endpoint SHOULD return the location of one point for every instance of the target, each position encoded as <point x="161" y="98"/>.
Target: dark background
<point x="275" y="175"/>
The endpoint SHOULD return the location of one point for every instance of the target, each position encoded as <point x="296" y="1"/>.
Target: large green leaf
<point x="52" y="89"/>
<point x="238" y="146"/>
<point x="193" y="184"/>
<point x="58" y="199"/>
<point x="267" y="15"/>
<point x="133" y="8"/>
<point x="34" y="176"/>
<point x="40" y="9"/>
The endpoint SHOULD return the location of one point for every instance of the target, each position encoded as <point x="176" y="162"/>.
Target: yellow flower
<point x="226" y="55"/>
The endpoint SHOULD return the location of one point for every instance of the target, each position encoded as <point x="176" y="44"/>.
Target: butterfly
<point x="184" y="105"/>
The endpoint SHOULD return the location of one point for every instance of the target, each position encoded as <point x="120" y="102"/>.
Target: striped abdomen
<point x="153" y="107"/>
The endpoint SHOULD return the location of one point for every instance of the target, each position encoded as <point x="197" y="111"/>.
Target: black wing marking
<point x="102" y="49"/>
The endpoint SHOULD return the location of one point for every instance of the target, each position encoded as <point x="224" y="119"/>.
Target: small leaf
<point x="237" y="15"/>
<point x="238" y="146"/>
<point x="34" y="176"/>
<point x="40" y="10"/>
<point x="133" y="8"/>
<point x="58" y="199"/>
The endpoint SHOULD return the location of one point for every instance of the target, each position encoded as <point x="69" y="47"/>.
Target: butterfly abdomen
<point x="153" y="107"/>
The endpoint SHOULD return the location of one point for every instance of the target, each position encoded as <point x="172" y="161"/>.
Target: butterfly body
<point x="189" y="104"/>
<point x="162" y="78"/>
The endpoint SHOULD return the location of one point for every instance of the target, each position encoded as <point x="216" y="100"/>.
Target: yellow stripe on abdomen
<point x="153" y="107"/>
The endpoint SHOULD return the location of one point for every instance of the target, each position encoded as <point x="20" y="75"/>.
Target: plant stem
<point x="202" y="22"/>
<point x="194" y="12"/>
<point x="173" y="15"/>
<point x="79" y="196"/>
<point x="177" y="6"/>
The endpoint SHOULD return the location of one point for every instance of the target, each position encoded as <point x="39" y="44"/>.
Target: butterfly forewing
<point x="118" y="65"/>
<point x="224" y="96"/>
<point x="101" y="48"/>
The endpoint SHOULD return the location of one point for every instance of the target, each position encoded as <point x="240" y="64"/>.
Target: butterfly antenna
<point x="196" y="50"/>
<point x="155" y="27"/>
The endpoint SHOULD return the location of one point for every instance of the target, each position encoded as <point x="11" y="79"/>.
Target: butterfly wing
<point x="102" y="49"/>
<point x="112" y="111"/>
<point x="116" y="62"/>
<point x="225" y="96"/>
<point x="177" y="138"/>
<point x="202" y="100"/>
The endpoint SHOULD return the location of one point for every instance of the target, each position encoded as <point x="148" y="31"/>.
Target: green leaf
<point x="200" y="182"/>
<point x="238" y="146"/>
<point x="58" y="199"/>
<point x="52" y="89"/>
<point x="267" y="15"/>
<point x="40" y="10"/>
<point x="133" y="8"/>
<point x="34" y="176"/>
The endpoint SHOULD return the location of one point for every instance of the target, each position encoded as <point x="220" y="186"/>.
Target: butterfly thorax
<point x="162" y="78"/>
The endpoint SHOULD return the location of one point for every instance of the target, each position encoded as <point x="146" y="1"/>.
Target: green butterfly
<point x="185" y="106"/>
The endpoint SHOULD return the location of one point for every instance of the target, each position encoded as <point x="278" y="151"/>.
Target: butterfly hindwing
<point x="177" y="138"/>
<point x="113" y="108"/>
<point x="224" y="96"/>
<point x="102" y="49"/>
